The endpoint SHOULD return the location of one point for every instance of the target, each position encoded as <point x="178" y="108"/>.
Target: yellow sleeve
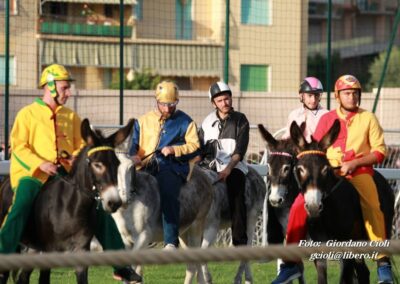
<point x="376" y="137"/>
<point x="192" y="142"/>
<point x="79" y="143"/>
<point x="20" y="147"/>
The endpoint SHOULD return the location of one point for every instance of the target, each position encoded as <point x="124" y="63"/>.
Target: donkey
<point x="283" y="188"/>
<point x="219" y="217"/>
<point x="139" y="219"/>
<point x="64" y="214"/>
<point x="334" y="212"/>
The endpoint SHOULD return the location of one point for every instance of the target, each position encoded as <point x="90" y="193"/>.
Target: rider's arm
<point x="133" y="150"/>
<point x="21" y="149"/>
<point x="376" y="139"/>
<point x="192" y="143"/>
<point x="242" y="138"/>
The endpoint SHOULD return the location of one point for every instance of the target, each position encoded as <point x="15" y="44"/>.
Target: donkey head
<point x="281" y="160"/>
<point x="126" y="171"/>
<point x="313" y="171"/>
<point x="100" y="170"/>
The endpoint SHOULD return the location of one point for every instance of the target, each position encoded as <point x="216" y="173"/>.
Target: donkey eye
<point x="301" y="170"/>
<point x="98" y="166"/>
<point x="285" y="169"/>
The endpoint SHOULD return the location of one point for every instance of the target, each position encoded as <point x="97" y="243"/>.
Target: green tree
<point x="143" y="80"/>
<point x="392" y="72"/>
<point x="317" y="67"/>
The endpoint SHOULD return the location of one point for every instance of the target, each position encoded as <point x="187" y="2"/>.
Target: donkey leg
<point x="347" y="271"/>
<point x="24" y="276"/>
<point x="44" y="276"/>
<point x="4" y="277"/>
<point x="252" y="218"/>
<point x="81" y="275"/>
<point x="362" y="271"/>
<point x="321" y="266"/>
<point x="209" y="238"/>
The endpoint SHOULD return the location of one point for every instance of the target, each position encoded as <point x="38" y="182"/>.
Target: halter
<point x="100" y="148"/>
<point x="285" y="154"/>
<point x="311" y="152"/>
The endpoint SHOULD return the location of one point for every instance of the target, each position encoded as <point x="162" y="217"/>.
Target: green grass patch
<point x="222" y="272"/>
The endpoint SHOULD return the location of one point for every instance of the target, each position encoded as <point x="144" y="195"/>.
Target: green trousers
<point x="11" y="230"/>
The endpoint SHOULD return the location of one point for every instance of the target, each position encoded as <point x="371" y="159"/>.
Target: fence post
<point x="7" y="78"/>
<point x="389" y="50"/>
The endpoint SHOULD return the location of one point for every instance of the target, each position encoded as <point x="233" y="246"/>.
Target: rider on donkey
<point x="41" y="133"/>
<point x="224" y="134"/>
<point x="310" y="112"/>
<point x="359" y="146"/>
<point x="163" y="142"/>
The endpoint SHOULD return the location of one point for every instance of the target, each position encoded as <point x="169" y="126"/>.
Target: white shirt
<point x="310" y="117"/>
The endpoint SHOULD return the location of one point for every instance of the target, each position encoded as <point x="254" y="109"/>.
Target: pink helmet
<point x="311" y="85"/>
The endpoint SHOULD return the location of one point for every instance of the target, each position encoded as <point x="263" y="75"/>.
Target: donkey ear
<point x="297" y="135"/>
<point x="331" y="136"/>
<point x="118" y="137"/>
<point x="303" y="126"/>
<point x="88" y="134"/>
<point x="271" y="141"/>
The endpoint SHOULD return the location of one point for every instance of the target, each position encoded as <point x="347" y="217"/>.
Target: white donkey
<point x="139" y="218"/>
<point x="219" y="218"/>
<point x="204" y="211"/>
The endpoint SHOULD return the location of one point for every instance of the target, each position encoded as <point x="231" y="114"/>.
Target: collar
<point x="348" y="116"/>
<point x="227" y="117"/>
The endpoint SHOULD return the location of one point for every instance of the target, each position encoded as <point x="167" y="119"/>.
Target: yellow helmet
<point x="54" y="72"/>
<point x="167" y="92"/>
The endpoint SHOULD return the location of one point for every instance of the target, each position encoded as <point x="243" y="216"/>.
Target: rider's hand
<point x="49" y="168"/>
<point x="136" y="160"/>
<point x="168" y="150"/>
<point x="222" y="175"/>
<point x="348" y="167"/>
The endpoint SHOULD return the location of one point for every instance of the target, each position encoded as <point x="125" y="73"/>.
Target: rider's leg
<point x="295" y="232"/>
<point x="170" y="184"/>
<point x="236" y="184"/>
<point x="14" y="224"/>
<point x="374" y="220"/>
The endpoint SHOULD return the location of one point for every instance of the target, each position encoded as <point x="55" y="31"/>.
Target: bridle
<point x="95" y="191"/>
<point x="284" y="154"/>
<point x="320" y="153"/>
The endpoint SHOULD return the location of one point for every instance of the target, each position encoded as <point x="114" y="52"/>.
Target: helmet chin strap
<point x="52" y="85"/>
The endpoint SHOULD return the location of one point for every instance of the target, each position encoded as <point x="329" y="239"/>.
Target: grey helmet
<point x="218" y="89"/>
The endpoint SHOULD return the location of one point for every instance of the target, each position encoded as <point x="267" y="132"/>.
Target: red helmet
<point x="347" y="82"/>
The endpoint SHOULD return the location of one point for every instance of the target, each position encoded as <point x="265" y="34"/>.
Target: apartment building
<point x="360" y="30"/>
<point x="184" y="40"/>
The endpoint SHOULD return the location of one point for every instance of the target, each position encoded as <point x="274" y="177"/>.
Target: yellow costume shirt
<point x="39" y="135"/>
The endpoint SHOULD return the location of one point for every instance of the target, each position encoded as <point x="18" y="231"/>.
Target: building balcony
<point x="83" y="29"/>
<point x="165" y="57"/>
<point x="348" y="48"/>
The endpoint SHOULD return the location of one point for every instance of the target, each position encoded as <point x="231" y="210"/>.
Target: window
<point x="13" y="6"/>
<point x="139" y="10"/>
<point x="12" y="68"/>
<point x="255" y="12"/>
<point x="254" y="78"/>
<point x="183" y="25"/>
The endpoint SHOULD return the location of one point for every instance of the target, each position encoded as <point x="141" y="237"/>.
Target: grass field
<point x="222" y="273"/>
